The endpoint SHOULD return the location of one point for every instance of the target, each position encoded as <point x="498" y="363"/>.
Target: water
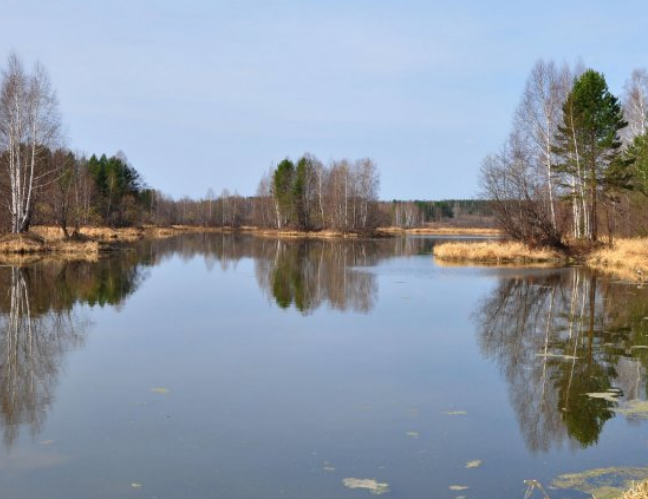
<point x="240" y="367"/>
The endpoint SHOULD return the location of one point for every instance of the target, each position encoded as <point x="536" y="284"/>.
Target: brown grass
<point x="494" y="252"/>
<point x="627" y="259"/>
<point x="639" y="491"/>
<point x="445" y="231"/>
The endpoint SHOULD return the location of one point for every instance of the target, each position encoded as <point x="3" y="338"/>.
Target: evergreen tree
<point x="588" y="145"/>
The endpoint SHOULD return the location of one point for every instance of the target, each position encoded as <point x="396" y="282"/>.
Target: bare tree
<point x="537" y="119"/>
<point x="29" y="119"/>
<point x="635" y="104"/>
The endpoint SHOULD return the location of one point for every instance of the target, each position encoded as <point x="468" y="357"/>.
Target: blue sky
<point x="203" y="94"/>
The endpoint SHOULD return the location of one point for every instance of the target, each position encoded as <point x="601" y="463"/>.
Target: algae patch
<point x="602" y="483"/>
<point x="368" y="484"/>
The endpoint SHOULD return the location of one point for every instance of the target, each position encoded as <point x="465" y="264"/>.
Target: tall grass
<point x="639" y="491"/>
<point x="494" y="252"/>
<point x="627" y="258"/>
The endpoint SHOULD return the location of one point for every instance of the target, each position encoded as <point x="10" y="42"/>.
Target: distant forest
<point x="44" y="183"/>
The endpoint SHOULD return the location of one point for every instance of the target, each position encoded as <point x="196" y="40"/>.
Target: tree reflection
<point x="39" y="325"/>
<point x="307" y="274"/>
<point x="557" y="336"/>
<point x="301" y="273"/>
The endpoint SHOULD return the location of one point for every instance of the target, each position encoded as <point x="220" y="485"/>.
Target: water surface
<point x="240" y="367"/>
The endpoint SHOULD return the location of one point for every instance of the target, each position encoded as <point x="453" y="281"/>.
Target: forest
<point x="46" y="183"/>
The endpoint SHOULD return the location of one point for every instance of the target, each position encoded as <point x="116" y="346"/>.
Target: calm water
<point x="235" y="367"/>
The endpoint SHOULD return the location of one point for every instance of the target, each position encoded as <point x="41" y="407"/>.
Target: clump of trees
<point x="42" y="181"/>
<point x="307" y="195"/>
<point x="574" y="160"/>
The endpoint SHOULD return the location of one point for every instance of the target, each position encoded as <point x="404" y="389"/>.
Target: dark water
<point x="235" y="367"/>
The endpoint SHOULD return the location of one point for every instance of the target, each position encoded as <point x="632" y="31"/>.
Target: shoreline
<point x="626" y="260"/>
<point x="95" y="240"/>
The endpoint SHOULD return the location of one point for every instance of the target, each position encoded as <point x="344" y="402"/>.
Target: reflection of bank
<point x="39" y="325"/>
<point x="309" y="274"/>
<point x="32" y="345"/>
<point x="559" y="336"/>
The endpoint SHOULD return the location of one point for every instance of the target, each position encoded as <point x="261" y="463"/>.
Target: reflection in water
<point x="558" y="336"/>
<point x="304" y="273"/>
<point x="39" y="326"/>
<point x="39" y="321"/>
<point x="307" y="274"/>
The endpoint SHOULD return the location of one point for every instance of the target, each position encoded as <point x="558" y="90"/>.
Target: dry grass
<point x="627" y="259"/>
<point x="445" y="231"/>
<point x="297" y="234"/>
<point x="494" y="252"/>
<point x="638" y="491"/>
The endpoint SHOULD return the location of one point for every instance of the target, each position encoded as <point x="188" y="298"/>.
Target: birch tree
<point x="537" y="119"/>
<point x="635" y="105"/>
<point x="29" y="119"/>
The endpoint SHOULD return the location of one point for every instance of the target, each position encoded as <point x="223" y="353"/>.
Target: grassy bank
<point x="440" y="230"/>
<point x="626" y="259"/>
<point x="494" y="252"/>
<point x="639" y="491"/>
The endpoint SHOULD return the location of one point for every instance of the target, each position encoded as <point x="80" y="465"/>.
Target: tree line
<point x="575" y="164"/>
<point x="45" y="183"/>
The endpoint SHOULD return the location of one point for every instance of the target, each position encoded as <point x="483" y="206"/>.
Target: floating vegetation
<point x="160" y="390"/>
<point x="328" y="467"/>
<point x="602" y="483"/>
<point x="455" y="413"/>
<point x="610" y="396"/>
<point x="557" y="356"/>
<point x="368" y="484"/>
<point x="637" y="409"/>
<point x="474" y="464"/>
<point x="458" y="487"/>
<point x="639" y="347"/>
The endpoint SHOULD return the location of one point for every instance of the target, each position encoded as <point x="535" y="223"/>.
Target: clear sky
<point x="209" y="93"/>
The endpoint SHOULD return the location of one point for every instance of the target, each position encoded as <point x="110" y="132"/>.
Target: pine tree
<point x="588" y="145"/>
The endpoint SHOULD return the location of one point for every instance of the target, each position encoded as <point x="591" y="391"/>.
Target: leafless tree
<point x="29" y="119"/>
<point x="635" y="104"/>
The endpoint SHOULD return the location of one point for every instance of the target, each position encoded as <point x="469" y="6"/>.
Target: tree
<point x="588" y="145"/>
<point x="635" y="104"/>
<point x="537" y="119"/>
<point x="282" y="190"/>
<point x="29" y="120"/>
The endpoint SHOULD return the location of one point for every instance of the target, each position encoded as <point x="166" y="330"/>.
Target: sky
<point x="206" y="94"/>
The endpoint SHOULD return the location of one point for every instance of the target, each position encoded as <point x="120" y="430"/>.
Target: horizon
<point x="211" y="95"/>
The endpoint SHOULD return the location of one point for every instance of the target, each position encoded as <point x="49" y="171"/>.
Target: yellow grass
<point x="494" y="252"/>
<point x="627" y="258"/>
<point x="444" y="231"/>
<point x="639" y="491"/>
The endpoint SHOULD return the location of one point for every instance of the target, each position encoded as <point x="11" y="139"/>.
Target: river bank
<point x="627" y="259"/>
<point x="94" y="240"/>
